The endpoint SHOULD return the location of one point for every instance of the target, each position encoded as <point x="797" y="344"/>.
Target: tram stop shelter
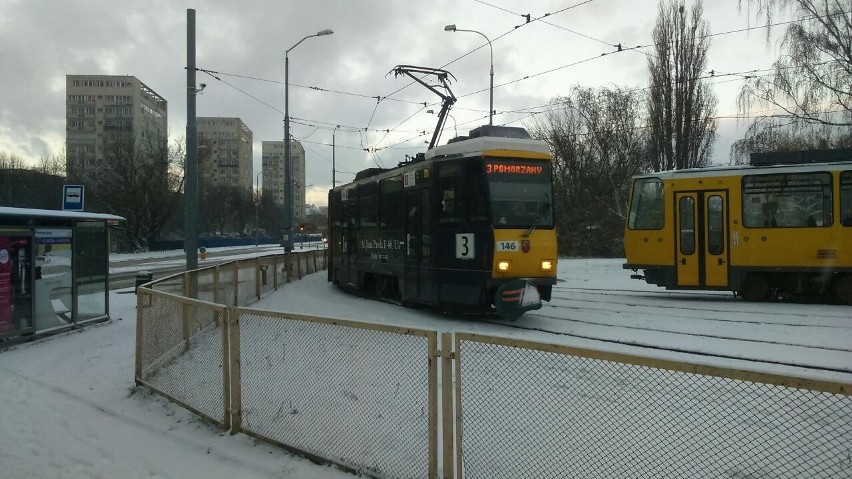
<point x="54" y="271"/>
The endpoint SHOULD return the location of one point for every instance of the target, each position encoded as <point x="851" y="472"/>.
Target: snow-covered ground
<point x="70" y="408"/>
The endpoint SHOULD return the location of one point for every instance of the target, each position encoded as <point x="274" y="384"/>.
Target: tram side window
<point x="451" y="195"/>
<point x="477" y="201"/>
<point x="392" y="202"/>
<point x="687" y="225"/>
<point x="846" y="198"/>
<point x="646" y="205"/>
<point x="791" y="200"/>
<point x="368" y="204"/>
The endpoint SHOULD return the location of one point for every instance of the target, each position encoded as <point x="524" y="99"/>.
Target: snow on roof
<point x="71" y="215"/>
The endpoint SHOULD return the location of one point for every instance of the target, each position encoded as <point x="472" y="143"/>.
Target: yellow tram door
<point x="701" y="238"/>
<point x="715" y="213"/>
<point x="686" y="207"/>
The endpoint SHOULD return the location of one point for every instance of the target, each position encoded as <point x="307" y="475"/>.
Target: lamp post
<point x="452" y="28"/>
<point x="333" y="149"/>
<point x="287" y="241"/>
<point x="455" y="125"/>
<point x="256" y="205"/>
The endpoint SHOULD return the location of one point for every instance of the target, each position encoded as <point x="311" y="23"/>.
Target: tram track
<point x="670" y="296"/>
<point x="654" y="347"/>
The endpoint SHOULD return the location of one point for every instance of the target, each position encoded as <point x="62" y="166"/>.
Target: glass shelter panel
<point x="16" y="282"/>
<point x="53" y="300"/>
<point x="90" y="262"/>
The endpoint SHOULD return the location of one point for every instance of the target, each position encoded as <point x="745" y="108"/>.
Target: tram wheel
<point x="755" y="287"/>
<point x="843" y="288"/>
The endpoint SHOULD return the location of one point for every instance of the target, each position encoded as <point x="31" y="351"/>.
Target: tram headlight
<point x="547" y="265"/>
<point x="504" y="265"/>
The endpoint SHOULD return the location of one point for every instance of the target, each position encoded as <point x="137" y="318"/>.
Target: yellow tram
<point x="758" y="230"/>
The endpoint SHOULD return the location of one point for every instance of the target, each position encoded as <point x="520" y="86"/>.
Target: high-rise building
<point x="272" y="160"/>
<point x="224" y="152"/>
<point x="100" y="109"/>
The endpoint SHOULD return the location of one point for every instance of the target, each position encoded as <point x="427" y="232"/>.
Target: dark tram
<point x="465" y="227"/>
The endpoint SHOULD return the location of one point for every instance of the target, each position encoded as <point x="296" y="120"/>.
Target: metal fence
<point x="366" y="396"/>
<point x="539" y="411"/>
<point x="361" y="395"/>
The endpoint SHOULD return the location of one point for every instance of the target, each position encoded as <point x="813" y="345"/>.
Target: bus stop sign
<point x="72" y="197"/>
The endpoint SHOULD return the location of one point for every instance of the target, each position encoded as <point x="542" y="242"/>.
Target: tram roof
<point x="740" y="170"/>
<point x="33" y="213"/>
<point x="476" y="146"/>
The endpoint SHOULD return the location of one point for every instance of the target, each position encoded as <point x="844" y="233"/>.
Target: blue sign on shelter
<point x="72" y="197"/>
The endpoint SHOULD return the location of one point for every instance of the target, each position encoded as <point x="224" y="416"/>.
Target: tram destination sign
<point x="512" y="169"/>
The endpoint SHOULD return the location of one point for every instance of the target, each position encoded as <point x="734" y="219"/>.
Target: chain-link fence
<point x="537" y="411"/>
<point x="361" y="395"/>
<point x="365" y="396"/>
<point x="181" y="350"/>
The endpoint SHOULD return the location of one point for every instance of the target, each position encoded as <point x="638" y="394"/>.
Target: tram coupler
<point x="515" y="298"/>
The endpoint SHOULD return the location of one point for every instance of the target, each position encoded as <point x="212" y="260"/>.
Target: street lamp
<point x="287" y="241"/>
<point x="452" y="28"/>
<point x="257" y="205"/>
<point x="333" y="168"/>
<point x="455" y="125"/>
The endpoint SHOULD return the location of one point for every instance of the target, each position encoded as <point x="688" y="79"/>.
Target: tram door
<point x="701" y="238"/>
<point x="348" y="240"/>
<point x="417" y="246"/>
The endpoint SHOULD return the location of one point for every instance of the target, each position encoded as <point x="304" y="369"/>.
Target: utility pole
<point x="190" y="191"/>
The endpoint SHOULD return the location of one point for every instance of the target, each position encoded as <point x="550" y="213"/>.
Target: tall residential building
<point x="100" y="109"/>
<point x="273" y="175"/>
<point x="224" y="152"/>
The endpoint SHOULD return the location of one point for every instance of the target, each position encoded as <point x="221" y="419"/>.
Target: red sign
<point x="508" y="168"/>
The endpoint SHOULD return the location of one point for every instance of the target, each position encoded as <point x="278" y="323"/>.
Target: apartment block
<point x="224" y="152"/>
<point x="272" y="159"/>
<point x="100" y="109"/>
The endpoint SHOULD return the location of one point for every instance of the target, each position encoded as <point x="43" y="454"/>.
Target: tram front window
<point x="521" y="195"/>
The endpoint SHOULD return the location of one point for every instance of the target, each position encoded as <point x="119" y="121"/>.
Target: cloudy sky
<point x="336" y="79"/>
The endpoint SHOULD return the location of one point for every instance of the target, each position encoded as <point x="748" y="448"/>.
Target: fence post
<point x="432" y="375"/>
<point x="185" y="307"/>
<point x="289" y="262"/>
<point x="234" y="366"/>
<point x="217" y="295"/>
<point x="275" y="272"/>
<point x="236" y="283"/>
<point x="224" y="313"/>
<point x="447" y="403"/>
<point x="139" y="333"/>
<point x="257" y="277"/>
<point x="458" y="412"/>
<point x="314" y="254"/>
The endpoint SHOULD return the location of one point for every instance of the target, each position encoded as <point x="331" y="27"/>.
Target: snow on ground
<point x="70" y="408"/>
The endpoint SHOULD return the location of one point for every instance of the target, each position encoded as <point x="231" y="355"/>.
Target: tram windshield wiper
<point x="545" y="207"/>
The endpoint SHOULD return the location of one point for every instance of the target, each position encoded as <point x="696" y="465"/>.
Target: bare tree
<point x="10" y="161"/>
<point x="142" y="183"/>
<point x="681" y="105"/>
<point x="811" y="83"/>
<point x="598" y="145"/>
<point x="775" y="134"/>
<point x="51" y="165"/>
